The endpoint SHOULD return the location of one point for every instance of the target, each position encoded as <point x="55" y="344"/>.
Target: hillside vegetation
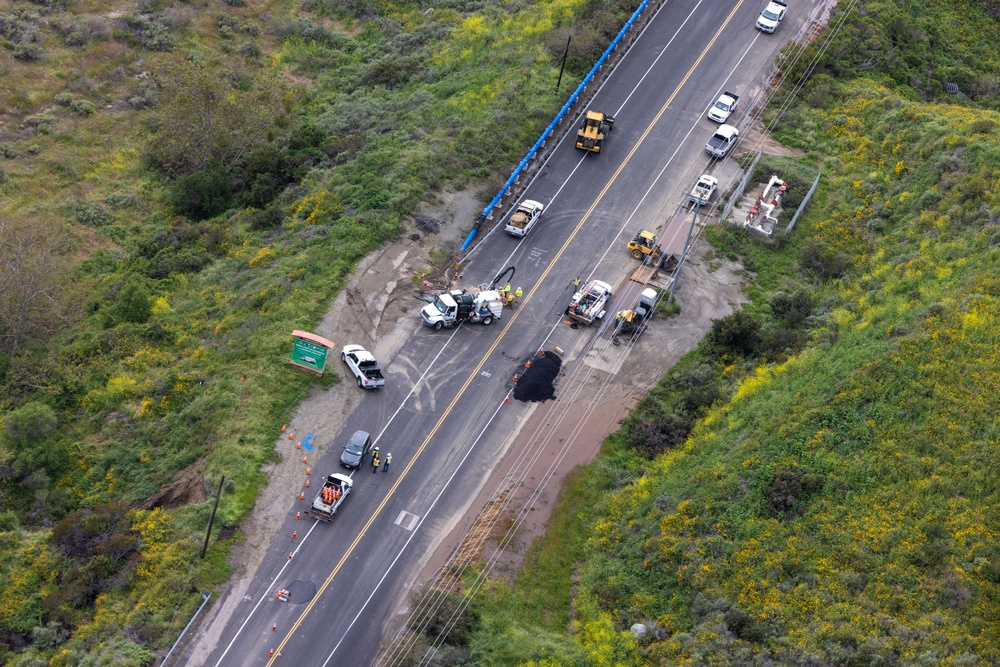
<point x="182" y="183"/>
<point x="817" y="483"/>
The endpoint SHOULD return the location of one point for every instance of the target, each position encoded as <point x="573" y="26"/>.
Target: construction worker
<point x="375" y="463"/>
<point x="618" y="318"/>
<point x="375" y="453"/>
<point x="576" y="283"/>
<point x="505" y="292"/>
<point x="517" y="294"/>
<point x="388" y="460"/>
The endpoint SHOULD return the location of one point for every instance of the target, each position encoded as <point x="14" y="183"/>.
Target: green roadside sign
<point x="309" y="351"/>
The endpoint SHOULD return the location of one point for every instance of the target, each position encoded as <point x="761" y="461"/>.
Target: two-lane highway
<point x="442" y="413"/>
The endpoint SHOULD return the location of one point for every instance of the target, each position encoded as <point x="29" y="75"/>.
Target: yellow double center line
<point x="492" y="348"/>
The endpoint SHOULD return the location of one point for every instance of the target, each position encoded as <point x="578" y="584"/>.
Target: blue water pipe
<point x="552" y="126"/>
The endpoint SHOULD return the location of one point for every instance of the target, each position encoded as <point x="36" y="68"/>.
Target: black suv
<point x="356" y="449"/>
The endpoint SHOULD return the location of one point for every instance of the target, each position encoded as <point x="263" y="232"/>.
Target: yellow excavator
<point x="596" y="126"/>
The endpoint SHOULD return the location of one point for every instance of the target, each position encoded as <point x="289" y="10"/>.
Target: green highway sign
<point x="309" y="351"/>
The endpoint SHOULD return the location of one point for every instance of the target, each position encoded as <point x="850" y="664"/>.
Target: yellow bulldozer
<point x="644" y="245"/>
<point x="596" y="126"/>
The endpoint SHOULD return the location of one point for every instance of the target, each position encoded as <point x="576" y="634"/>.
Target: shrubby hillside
<point x="817" y="483"/>
<point x="183" y="182"/>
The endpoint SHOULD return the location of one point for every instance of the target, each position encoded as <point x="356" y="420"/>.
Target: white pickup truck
<point x="723" y="139"/>
<point x="524" y="218"/>
<point x="771" y="16"/>
<point x="329" y="499"/>
<point x="723" y="107"/>
<point x="362" y="364"/>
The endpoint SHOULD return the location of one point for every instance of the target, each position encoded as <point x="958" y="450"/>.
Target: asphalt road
<point x="442" y="413"/>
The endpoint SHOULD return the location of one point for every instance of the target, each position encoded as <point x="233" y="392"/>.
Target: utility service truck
<point x="363" y="366"/>
<point x="703" y="190"/>
<point x="452" y="308"/>
<point x="590" y="302"/>
<point x="330" y="497"/>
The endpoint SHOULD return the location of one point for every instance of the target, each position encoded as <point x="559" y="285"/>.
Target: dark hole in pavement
<point x="301" y="591"/>
<point x="536" y="383"/>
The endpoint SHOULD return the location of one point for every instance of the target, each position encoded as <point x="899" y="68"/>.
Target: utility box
<point x="309" y="351"/>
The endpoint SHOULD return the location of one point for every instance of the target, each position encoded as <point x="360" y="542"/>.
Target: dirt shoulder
<point x="380" y="280"/>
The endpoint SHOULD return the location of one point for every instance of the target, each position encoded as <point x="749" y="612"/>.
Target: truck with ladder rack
<point x="590" y="302"/>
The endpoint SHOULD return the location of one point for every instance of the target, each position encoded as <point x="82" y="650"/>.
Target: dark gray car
<point x="356" y="449"/>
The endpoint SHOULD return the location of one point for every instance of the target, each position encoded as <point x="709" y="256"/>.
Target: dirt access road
<point x="378" y="310"/>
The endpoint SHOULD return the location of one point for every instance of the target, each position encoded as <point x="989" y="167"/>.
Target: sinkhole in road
<point x="537" y="383"/>
<point x="300" y="591"/>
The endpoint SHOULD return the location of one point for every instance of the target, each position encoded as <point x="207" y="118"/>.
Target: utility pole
<point x="563" y="63"/>
<point x="687" y="244"/>
<point x="211" y="520"/>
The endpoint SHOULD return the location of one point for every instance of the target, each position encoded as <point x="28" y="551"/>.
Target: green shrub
<point x="169" y="261"/>
<point x="26" y="434"/>
<point x="746" y="627"/>
<point x="121" y="200"/>
<point x="203" y="194"/>
<point x="789" y="491"/>
<point x="92" y="214"/>
<point x="28" y="50"/>
<point x="41" y="122"/>
<point x="737" y="333"/>
<point x="449" y="615"/>
<point x="269" y="218"/>
<point x="820" y="261"/>
<point x="82" y="108"/>
<point x="655" y="432"/>
<point x="793" y="309"/>
<point x="132" y="305"/>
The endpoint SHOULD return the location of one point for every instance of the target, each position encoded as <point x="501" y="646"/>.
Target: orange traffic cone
<point x="308" y="471"/>
<point x="304" y="460"/>
<point x="270" y="653"/>
<point x="541" y="352"/>
<point x="515" y="377"/>
<point x="291" y="435"/>
<point x="294" y="534"/>
<point x="506" y="399"/>
<point x="297" y="514"/>
<point x="302" y="496"/>
<point x="283" y="426"/>
<point x="307" y="483"/>
<point x="274" y="627"/>
<point x="298" y="445"/>
<point x="527" y="364"/>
